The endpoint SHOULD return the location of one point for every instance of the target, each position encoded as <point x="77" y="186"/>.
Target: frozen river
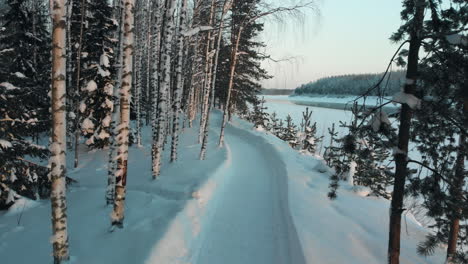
<point x="325" y="117"/>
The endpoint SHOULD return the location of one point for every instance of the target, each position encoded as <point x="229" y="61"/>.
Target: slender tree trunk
<point x="58" y="146"/>
<point x="124" y="128"/>
<point x="34" y="25"/>
<point x="140" y="30"/>
<point x="165" y="84"/>
<point x="110" y="193"/>
<point x="234" y="57"/>
<point x="156" y="57"/>
<point x="149" y="35"/>
<point x="207" y="75"/>
<point x="69" y="71"/>
<point x="401" y="162"/>
<point x="227" y="6"/>
<point x="78" y="81"/>
<point x="191" y="108"/>
<point x="195" y="74"/>
<point x="456" y="193"/>
<point x="179" y="84"/>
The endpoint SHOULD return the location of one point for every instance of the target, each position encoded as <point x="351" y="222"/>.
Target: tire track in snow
<point x="251" y="221"/>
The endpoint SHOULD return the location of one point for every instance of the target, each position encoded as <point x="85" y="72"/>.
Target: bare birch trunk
<point x="207" y="76"/>
<point x="110" y="192"/>
<point x="124" y="127"/>
<point x="192" y="90"/>
<point x="165" y="84"/>
<point x="58" y="146"/>
<point x="155" y="54"/>
<point x="401" y="159"/>
<point x="78" y="77"/>
<point x="140" y="39"/>
<point x="195" y="75"/>
<point x="180" y="83"/>
<point x="227" y="6"/>
<point x="149" y="35"/>
<point x="234" y="57"/>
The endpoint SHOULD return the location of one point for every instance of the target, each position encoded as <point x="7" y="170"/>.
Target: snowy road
<point x="251" y="222"/>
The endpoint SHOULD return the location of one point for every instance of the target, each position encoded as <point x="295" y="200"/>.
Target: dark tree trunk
<point x="401" y="162"/>
<point x="457" y="194"/>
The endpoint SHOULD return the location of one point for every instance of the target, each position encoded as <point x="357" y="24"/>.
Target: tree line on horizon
<point x="353" y="84"/>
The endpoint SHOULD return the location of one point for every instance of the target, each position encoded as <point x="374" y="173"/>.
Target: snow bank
<point x="351" y="229"/>
<point x="21" y="205"/>
<point x="158" y="213"/>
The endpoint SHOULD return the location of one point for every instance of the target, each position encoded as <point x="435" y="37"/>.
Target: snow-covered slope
<point x="254" y="201"/>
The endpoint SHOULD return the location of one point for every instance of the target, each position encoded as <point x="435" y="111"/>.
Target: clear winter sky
<point x="347" y="36"/>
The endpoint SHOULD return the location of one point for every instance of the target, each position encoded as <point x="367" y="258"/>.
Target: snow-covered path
<point x="251" y="222"/>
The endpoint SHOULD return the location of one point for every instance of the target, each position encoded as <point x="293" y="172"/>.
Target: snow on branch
<point x="378" y="119"/>
<point x="403" y="98"/>
<point x="193" y="31"/>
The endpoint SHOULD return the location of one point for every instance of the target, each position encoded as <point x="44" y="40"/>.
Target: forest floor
<point x="255" y="201"/>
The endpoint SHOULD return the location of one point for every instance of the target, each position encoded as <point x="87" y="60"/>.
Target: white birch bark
<point x="140" y="40"/>
<point x="110" y="192"/>
<point x="58" y="146"/>
<point x="148" y="40"/>
<point x="191" y="108"/>
<point x="226" y="7"/>
<point x="155" y="54"/>
<point x="207" y="75"/>
<point x="195" y="75"/>
<point x="124" y="127"/>
<point x="234" y="56"/>
<point x="180" y="83"/>
<point x="165" y="76"/>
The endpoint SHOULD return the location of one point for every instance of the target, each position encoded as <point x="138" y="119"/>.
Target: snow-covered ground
<point x="255" y="201"/>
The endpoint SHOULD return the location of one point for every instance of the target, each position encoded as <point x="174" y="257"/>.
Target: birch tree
<point x="165" y="75"/>
<point x="226" y="7"/>
<point x="58" y="137"/>
<point x="195" y="59"/>
<point x="112" y="166"/>
<point x="140" y="29"/>
<point x="179" y="83"/>
<point x="207" y="72"/>
<point x="124" y="127"/>
<point x="155" y="57"/>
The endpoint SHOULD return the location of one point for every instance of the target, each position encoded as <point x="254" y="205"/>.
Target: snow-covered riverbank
<point x="332" y="102"/>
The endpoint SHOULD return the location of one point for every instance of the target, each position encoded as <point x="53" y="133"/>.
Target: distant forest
<point x="353" y="84"/>
<point x="277" y="91"/>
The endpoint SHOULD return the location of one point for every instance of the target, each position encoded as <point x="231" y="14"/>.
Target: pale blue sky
<point x="348" y="36"/>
